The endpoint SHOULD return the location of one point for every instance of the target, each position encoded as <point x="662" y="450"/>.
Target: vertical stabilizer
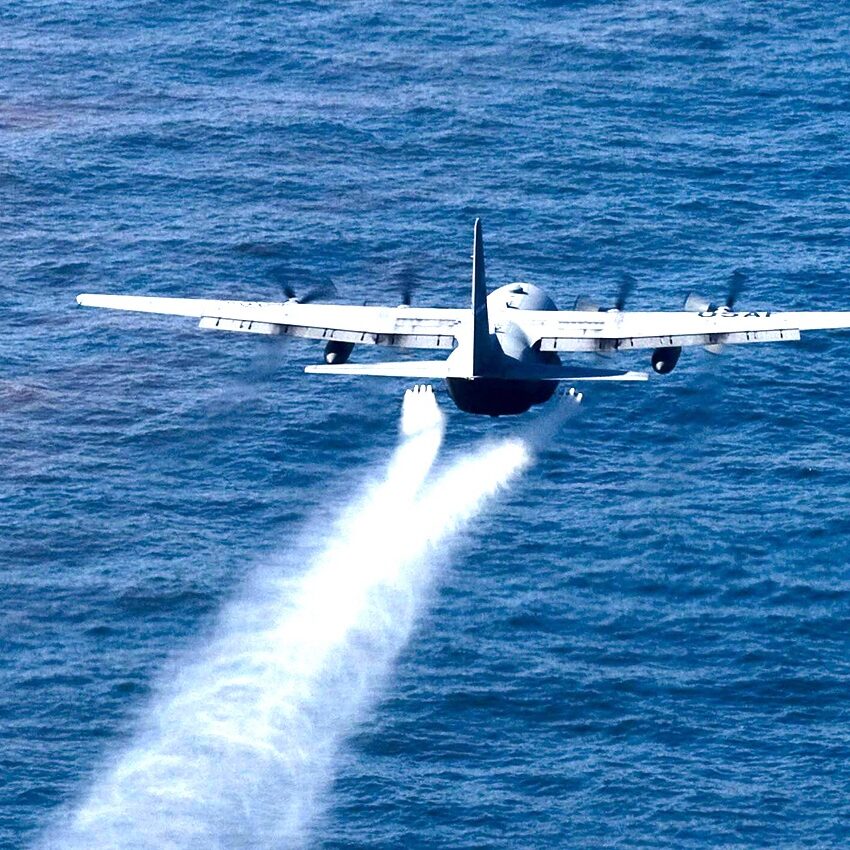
<point x="480" y="319"/>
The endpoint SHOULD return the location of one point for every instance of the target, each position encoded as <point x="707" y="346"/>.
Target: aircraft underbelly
<point x="498" y="397"/>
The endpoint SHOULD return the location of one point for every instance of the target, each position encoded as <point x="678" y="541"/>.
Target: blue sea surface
<point x="646" y="642"/>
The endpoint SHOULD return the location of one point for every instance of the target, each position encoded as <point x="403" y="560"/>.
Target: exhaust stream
<point x="238" y="749"/>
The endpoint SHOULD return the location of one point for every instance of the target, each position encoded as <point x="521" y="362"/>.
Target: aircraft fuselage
<point x="495" y="394"/>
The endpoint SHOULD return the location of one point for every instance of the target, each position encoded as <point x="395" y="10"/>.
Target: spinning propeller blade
<point x="627" y="285"/>
<point x="700" y="304"/>
<point x="407" y="282"/>
<point x="736" y="287"/>
<point x="318" y="287"/>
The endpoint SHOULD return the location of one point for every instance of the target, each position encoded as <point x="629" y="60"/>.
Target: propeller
<point x="736" y="286"/>
<point x="697" y="303"/>
<point x="586" y="305"/>
<point x="624" y="291"/>
<point x="700" y="304"/>
<point x="627" y="285"/>
<point x="318" y="287"/>
<point x="407" y="282"/>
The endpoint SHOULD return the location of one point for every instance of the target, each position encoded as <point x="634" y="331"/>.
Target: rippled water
<point x="643" y="643"/>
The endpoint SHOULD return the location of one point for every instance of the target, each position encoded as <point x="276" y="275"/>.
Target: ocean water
<point x="644" y="641"/>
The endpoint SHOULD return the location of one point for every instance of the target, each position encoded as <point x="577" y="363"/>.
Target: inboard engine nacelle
<point x="664" y="360"/>
<point x="337" y="351"/>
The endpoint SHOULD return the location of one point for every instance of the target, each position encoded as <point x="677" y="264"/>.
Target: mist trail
<point x="239" y="746"/>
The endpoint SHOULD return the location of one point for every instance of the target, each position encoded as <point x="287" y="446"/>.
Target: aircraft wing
<point x="402" y="327"/>
<point x="441" y="328"/>
<point x="584" y="331"/>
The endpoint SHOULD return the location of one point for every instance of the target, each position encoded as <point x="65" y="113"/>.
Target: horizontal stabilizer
<point x="543" y="372"/>
<point x="395" y="369"/>
<point x="441" y="369"/>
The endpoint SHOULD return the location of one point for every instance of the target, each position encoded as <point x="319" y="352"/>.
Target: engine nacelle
<point x="664" y="360"/>
<point x="337" y="352"/>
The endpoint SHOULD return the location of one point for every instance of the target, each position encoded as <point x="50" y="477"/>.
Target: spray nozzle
<point x="420" y="411"/>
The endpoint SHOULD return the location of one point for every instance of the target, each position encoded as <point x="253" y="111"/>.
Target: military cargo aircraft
<point x="506" y="348"/>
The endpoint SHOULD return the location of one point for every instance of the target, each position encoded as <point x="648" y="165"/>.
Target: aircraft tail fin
<point x="481" y="343"/>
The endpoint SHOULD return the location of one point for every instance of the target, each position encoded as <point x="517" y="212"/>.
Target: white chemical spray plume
<point x="239" y="747"/>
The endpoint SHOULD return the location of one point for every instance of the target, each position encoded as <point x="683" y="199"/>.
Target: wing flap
<point x="637" y="343"/>
<point x="241" y="325"/>
<point x="543" y="372"/>
<point x="583" y="331"/>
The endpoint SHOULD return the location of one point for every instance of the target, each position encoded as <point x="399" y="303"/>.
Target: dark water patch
<point x="56" y="680"/>
<point x="166" y="598"/>
<point x="124" y="689"/>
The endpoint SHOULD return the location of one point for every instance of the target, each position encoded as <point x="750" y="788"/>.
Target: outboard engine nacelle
<point x="664" y="360"/>
<point x="337" y="352"/>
